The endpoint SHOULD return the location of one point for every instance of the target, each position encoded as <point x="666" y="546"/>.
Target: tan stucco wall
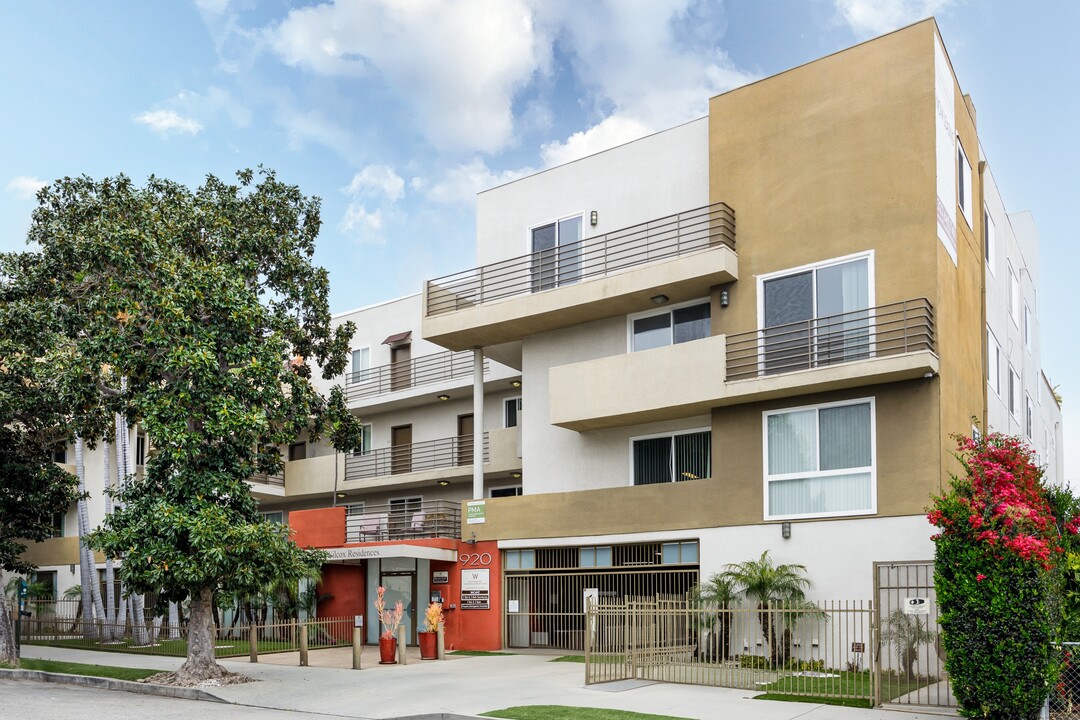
<point x="57" y="551"/>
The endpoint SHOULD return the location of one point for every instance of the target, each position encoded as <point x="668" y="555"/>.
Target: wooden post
<point x="303" y="645"/>
<point x="357" y="646"/>
<point x="253" y="642"/>
<point x="440" y="643"/>
<point x="401" y="645"/>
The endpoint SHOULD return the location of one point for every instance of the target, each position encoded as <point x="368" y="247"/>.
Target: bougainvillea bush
<point x="995" y="579"/>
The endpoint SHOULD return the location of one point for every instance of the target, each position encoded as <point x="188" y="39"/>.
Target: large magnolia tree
<point x="199" y="315"/>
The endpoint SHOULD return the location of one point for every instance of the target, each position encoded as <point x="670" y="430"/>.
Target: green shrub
<point x="755" y="662"/>
<point x="995" y="580"/>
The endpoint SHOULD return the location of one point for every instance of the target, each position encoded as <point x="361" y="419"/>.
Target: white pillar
<point x="478" y="423"/>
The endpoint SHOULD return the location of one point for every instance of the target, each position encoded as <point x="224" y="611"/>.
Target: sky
<point x="397" y="112"/>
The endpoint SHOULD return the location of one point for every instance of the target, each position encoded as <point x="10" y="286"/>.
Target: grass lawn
<point x="72" y="668"/>
<point x="599" y="659"/>
<point x="172" y="648"/>
<point x="478" y="653"/>
<point x="565" y="712"/>
<point x="825" y="690"/>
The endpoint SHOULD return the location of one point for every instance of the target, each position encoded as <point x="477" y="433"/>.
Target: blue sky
<point x="397" y="113"/>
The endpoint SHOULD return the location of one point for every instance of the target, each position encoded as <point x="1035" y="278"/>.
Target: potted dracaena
<point x="433" y="618"/>
<point x="390" y="621"/>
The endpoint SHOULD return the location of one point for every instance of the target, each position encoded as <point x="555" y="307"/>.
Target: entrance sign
<point x="916" y="606"/>
<point x="475" y="589"/>
<point x="475" y="512"/>
<point x="440" y="577"/>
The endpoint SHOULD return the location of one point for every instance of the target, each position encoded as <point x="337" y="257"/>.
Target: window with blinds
<point x="672" y="458"/>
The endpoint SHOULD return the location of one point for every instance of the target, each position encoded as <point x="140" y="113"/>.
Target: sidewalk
<point x="472" y="685"/>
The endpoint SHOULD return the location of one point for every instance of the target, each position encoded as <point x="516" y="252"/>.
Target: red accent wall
<point x="346" y="584"/>
<point x="320" y="528"/>
<point x="472" y="629"/>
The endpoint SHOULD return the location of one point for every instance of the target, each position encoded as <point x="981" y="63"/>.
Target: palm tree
<point x="906" y="633"/>
<point x="774" y="587"/>
<point x="719" y="595"/>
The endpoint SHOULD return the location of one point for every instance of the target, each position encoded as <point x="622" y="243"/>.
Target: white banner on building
<point x="945" y="109"/>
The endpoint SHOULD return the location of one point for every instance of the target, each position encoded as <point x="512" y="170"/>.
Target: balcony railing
<point x="403" y="375"/>
<point x="400" y="459"/>
<point x="894" y="329"/>
<point x="277" y="479"/>
<point x="402" y="520"/>
<point x="667" y="237"/>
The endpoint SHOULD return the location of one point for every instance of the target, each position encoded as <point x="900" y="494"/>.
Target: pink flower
<point x="980" y="577"/>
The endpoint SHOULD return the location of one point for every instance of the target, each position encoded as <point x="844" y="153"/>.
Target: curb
<point x="111" y="684"/>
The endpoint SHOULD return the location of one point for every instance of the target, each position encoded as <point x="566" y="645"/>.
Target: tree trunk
<point x="85" y="555"/>
<point x="7" y="636"/>
<point x="138" y="620"/>
<point x="200" y="664"/>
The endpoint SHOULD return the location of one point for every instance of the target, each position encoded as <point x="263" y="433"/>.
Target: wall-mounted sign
<point x="358" y="621"/>
<point x="513" y="606"/>
<point x="475" y="589"/>
<point x="858" y="647"/>
<point x="475" y="512"/>
<point x="440" y="577"/>
<point x="917" y="606"/>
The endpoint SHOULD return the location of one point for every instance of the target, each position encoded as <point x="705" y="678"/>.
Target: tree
<point x="906" y="634"/>
<point x="775" y="587"/>
<point x="33" y="420"/>
<point x="197" y="314"/>
<point x="716" y="598"/>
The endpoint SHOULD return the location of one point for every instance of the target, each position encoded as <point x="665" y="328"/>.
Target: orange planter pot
<point x="429" y="649"/>
<point x="387" y="651"/>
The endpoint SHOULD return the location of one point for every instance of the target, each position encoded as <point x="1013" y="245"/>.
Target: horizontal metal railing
<point x="894" y="329"/>
<point x="699" y="229"/>
<point x="371" y="522"/>
<point x="400" y="459"/>
<point x="275" y="479"/>
<point x="410" y="373"/>
<point x="812" y="649"/>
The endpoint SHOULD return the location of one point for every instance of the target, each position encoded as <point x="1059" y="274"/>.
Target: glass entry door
<point x="402" y="586"/>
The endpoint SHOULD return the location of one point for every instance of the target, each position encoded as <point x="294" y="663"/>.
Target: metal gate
<point x="910" y="657"/>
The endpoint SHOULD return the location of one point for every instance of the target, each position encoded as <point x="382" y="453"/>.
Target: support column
<point x="478" y="423"/>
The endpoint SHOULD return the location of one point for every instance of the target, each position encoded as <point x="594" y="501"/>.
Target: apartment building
<point x="754" y="331"/>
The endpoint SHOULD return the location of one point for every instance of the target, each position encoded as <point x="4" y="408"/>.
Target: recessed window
<point x="556" y="253"/>
<point x="1029" y="417"/>
<point x="59" y="454"/>
<point x="594" y="556"/>
<point x="57" y="523"/>
<point x="679" y="553"/>
<point x="1028" y="329"/>
<point x="672" y="458"/>
<point x="361" y="365"/>
<point x="520" y="559"/>
<point x="1014" y="393"/>
<point x="140" y="449"/>
<point x="273" y="517"/>
<point x="298" y="451"/>
<point x="820" y="460"/>
<point x="669" y="327"/>
<point x="993" y="362"/>
<point x="511" y="412"/>
<point x="505" y="491"/>
<point x="989" y="241"/>
<point x="1014" y="297"/>
<point x="817" y="315"/>
<point x="365" y="440"/>
<point x="963" y="188"/>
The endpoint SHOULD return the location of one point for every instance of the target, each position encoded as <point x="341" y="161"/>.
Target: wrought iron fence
<point x="810" y="649"/>
<point x="893" y="329"/>
<point x="667" y="237"/>
<point x="424" y="370"/>
<point x="403" y="519"/>
<point x="399" y="459"/>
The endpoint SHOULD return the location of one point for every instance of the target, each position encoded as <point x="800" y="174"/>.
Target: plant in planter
<point x="390" y="621"/>
<point x="433" y="618"/>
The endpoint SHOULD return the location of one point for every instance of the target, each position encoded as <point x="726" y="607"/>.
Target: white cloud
<point x="167" y="122"/>
<point x="25" y="187"/>
<point x="366" y="227"/>
<point x="374" y="180"/>
<point x="609" y="132"/>
<point x="463" y="182"/>
<point x="875" y="17"/>
<point x="458" y="65"/>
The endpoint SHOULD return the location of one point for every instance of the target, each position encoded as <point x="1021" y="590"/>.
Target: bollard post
<point x="253" y="642"/>
<point x="440" y="643"/>
<point x="357" y="646"/>
<point x="401" y="645"/>
<point x="303" y="645"/>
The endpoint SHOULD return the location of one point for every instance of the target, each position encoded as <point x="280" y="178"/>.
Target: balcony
<point x="402" y="520"/>
<point x="884" y="344"/>
<point x="680" y="256"/>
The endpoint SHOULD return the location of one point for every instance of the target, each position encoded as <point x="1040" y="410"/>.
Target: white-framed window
<point x="519" y="559"/>
<point x="993" y="362"/>
<point x="671" y="457"/>
<point x="361" y="364"/>
<point x="365" y="440"/>
<point x="976" y="434"/>
<point x="556" y="252"/>
<point x="817" y="314"/>
<point x="504" y="491"/>
<point x="600" y="556"/>
<point x="59" y="453"/>
<point x="1014" y="297"/>
<point x="1029" y="417"/>
<point x="1014" y="393"/>
<point x="276" y="517"/>
<point x="678" y="324"/>
<point x="963" y="179"/>
<point x="511" y="411"/>
<point x="679" y="553"/>
<point x="820" y="460"/>
<point x="1028" y="330"/>
<point x="56" y="522"/>
<point x="989" y="241"/>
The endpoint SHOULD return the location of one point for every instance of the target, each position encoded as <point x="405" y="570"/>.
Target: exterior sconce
<point x="725" y="299"/>
<point x="593" y="218"/>
<point x="659" y="299"/>
<point x="785" y="530"/>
